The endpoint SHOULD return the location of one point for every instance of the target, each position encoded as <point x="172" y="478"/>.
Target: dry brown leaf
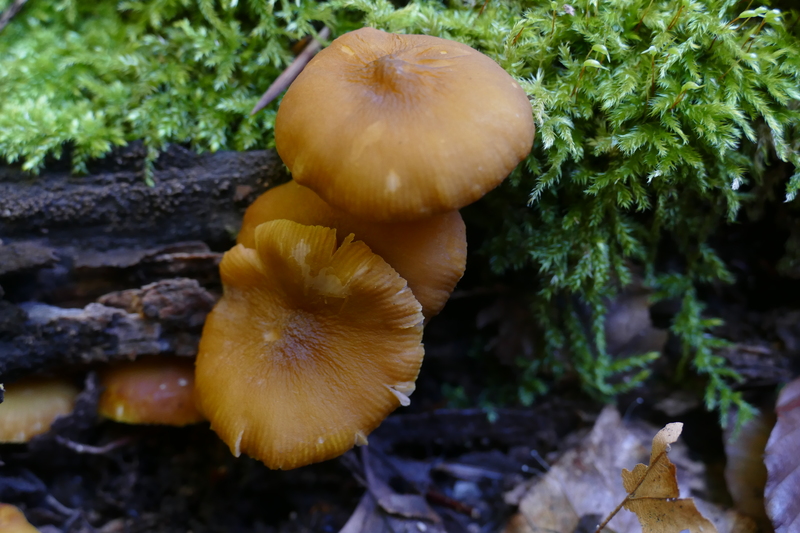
<point x="583" y="482"/>
<point x="782" y="493"/>
<point x="653" y="492"/>
<point x="745" y="471"/>
<point x="381" y="509"/>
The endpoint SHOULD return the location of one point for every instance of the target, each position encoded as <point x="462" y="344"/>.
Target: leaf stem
<point x="631" y="493"/>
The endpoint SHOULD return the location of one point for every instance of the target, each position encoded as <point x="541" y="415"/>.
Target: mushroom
<point x="429" y="254"/>
<point x="401" y="127"/>
<point x="13" y="521"/>
<point x="149" y="391"/>
<point x="311" y="346"/>
<point x="32" y="404"/>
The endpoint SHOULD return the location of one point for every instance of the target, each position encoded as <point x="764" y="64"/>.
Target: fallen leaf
<point x="370" y="517"/>
<point x="653" y="492"/>
<point x="584" y="481"/>
<point x="629" y="329"/>
<point x="782" y="493"/>
<point x="745" y="471"/>
<point x="381" y="509"/>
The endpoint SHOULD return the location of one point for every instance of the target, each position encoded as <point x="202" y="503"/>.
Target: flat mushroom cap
<point x="32" y="404"/>
<point x="149" y="391"/>
<point x="309" y="349"/>
<point x="430" y="254"/>
<point x="400" y="127"/>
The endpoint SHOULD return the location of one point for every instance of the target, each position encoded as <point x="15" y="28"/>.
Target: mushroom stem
<point x="287" y="76"/>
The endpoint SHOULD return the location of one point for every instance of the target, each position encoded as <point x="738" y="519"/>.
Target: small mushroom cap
<point x="430" y="254"/>
<point x="149" y="391"/>
<point x="400" y="127"/>
<point x="13" y="521"/>
<point x="32" y="404"/>
<point x="311" y="346"/>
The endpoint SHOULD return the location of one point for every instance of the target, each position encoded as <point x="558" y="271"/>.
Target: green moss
<point x="652" y="115"/>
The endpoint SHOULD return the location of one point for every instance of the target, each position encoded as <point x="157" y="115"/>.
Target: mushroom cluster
<point x="318" y="335"/>
<point x="430" y="254"/>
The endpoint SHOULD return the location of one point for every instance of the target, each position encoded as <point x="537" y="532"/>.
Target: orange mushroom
<point x="311" y="346"/>
<point x="429" y="254"/>
<point x="149" y="391"/>
<point x="413" y="125"/>
<point x="13" y="521"/>
<point x="32" y="404"/>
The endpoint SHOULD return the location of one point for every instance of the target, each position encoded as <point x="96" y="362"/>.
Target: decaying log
<point x="21" y="256"/>
<point x="161" y="318"/>
<point x="65" y="241"/>
<point x="195" y="197"/>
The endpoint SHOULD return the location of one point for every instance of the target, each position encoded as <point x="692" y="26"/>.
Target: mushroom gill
<point x="311" y="346"/>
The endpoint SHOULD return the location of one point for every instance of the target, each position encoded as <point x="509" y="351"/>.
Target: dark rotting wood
<point x="161" y="318"/>
<point x="67" y="240"/>
<point x="195" y="197"/>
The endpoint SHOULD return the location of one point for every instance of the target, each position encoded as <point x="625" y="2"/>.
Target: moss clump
<point x="653" y="116"/>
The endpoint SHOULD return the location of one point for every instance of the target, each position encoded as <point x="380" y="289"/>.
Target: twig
<point x="58" y="506"/>
<point x="73" y="515"/>
<point x="539" y="459"/>
<point x="93" y="450"/>
<point x="674" y="20"/>
<point x="437" y="498"/>
<point x="644" y="14"/>
<point x="754" y="34"/>
<point x="514" y="42"/>
<point x="286" y="77"/>
<point x="9" y="13"/>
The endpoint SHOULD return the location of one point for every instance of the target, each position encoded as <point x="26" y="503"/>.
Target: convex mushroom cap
<point x="149" y="391"/>
<point x="31" y="405"/>
<point x="400" y="127"/>
<point x="430" y="254"/>
<point x="311" y="346"/>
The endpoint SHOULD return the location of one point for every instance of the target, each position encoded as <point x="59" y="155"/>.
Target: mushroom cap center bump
<point x="401" y="127"/>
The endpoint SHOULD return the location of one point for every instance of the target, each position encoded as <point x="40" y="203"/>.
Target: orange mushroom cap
<point x="311" y="346"/>
<point x="400" y="127"/>
<point x="430" y="254"/>
<point x="32" y="404"/>
<point x="149" y="391"/>
<point x="12" y="520"/>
